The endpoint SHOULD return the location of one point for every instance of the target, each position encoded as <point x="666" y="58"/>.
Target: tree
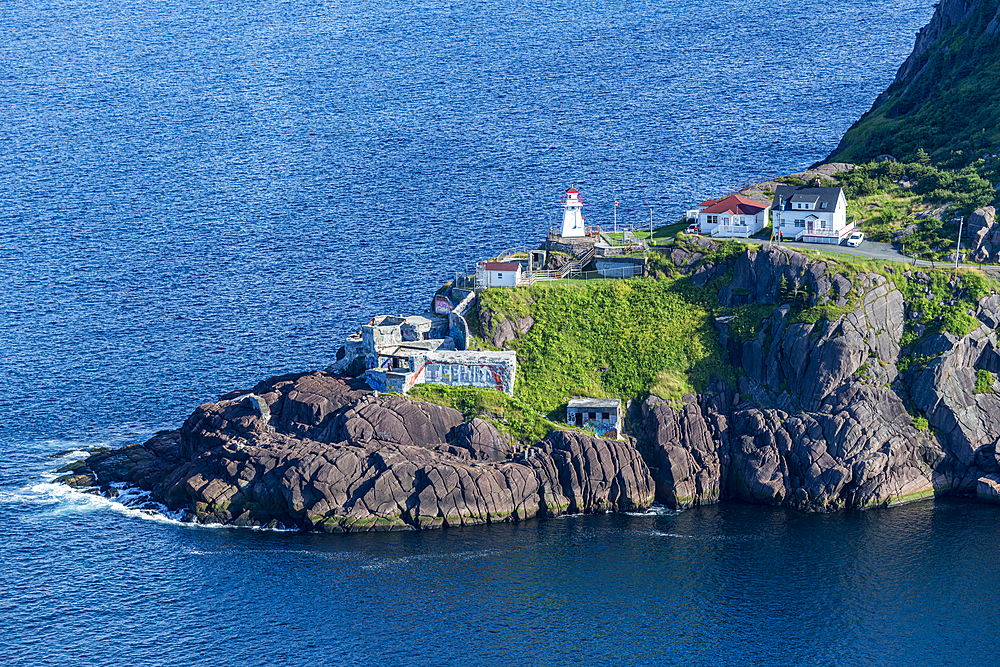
<point x="922" y="157"/>
<point x="784" y="293"/>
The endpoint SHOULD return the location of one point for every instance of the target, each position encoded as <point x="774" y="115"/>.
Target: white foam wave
<point x="383" y="563"/>
<point x="656" y="510"/>
<point x="60" y="499"/>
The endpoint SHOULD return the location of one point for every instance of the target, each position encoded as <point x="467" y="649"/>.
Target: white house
<point x="813" y="215"/>
<point x="732" y="216"/>
<point x="498" y="274"/>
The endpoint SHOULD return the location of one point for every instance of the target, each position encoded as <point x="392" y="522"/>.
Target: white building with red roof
<point x="498" y="274"/>
<point x="732" y="216"/>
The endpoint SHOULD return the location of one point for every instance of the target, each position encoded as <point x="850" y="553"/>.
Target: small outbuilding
<point x="498" y="274"/>
<point x="603" y="416"/>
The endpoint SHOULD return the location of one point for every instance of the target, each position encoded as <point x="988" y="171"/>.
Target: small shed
<point x="499" y="274"/>
<point x="603" y="416"/>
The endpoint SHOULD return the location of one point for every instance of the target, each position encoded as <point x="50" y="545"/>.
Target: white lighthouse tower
<point x="572" y="215"/>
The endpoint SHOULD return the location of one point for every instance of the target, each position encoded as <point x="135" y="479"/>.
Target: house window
<point x="499" y="276"/>
<point x="800" y="223"/>
<point x="604" y="416"/>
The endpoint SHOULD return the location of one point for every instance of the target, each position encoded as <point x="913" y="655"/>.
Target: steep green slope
<point x="613" y="338"/>
<point x="946" y="97"/>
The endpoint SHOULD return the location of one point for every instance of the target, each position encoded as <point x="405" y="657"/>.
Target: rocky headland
<point x="826" y="415"/>
<point x="322" y="452"/>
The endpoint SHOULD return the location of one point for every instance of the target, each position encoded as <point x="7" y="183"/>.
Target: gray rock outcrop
<point x="983" y="235"/>
<point x="329" y="455"/>
<point x="820" y="421"/>
<point x="827" y="414"/>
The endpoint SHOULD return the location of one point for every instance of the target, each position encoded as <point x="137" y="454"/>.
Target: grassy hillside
<point x="629" y="338"/>
<point x="620" y="338"/>
<point x="890" y="200"/>
<point x="947" y="104"/>
<point x="611" y="338"/>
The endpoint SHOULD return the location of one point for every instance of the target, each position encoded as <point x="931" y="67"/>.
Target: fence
<point x="612" y="251"/>
<point x="607" y="274"/>
<point x="735" y="231"/>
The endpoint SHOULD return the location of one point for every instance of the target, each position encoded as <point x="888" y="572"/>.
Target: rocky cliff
<point x="944" y="97"/>
<point x="320" y="452"/>
<point x="824" y="418"/>
<point x="856" y="408"/>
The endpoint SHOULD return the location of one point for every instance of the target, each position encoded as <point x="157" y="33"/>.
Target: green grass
<point x="511" y="416"/>
<point x="659" y="235"/>
<point x="613" y="338"/>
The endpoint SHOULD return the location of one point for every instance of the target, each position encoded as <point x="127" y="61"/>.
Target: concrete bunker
<point x="603" y="416"/>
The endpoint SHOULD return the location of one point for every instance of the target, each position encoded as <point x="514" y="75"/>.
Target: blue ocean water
<point x="198" y="195"/>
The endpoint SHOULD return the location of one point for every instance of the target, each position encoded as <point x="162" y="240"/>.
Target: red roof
<point x="736" y="204"/>
<point x="501" y="266"/>
<point x="709" y="202"/>
<point x="573" y="191"/>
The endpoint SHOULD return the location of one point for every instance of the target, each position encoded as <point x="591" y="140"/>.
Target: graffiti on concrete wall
<point x="468" y="375"/>
<point x="603" y="430"/>
<point x="376" y="380"/>
<point x="442" y="304"/>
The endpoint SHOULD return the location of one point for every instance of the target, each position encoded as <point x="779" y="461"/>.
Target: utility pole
<point x="958" y="248"/>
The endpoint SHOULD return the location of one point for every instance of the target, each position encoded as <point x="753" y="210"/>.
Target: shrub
<point x="984" y="381"/>
<point x="958" y="322"/>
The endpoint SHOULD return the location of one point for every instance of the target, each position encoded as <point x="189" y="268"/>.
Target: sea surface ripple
<point x="198" y="195"/>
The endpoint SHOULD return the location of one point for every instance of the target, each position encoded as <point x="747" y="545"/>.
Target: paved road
<point x="873" y="250"/>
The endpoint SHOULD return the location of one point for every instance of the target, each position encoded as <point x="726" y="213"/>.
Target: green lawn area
<point x="662" y="232"/>
<point x="612" y="338"/>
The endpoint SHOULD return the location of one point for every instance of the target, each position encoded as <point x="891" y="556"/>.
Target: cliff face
<point x="947" y="15"/>
<point x="829" y="413"/>
<point x="320" y="452"/>
<point x="820" y="418"/>
<point x="944" y="97"/>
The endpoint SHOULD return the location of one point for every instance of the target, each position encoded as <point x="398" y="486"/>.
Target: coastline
<point x="324" y="452"/>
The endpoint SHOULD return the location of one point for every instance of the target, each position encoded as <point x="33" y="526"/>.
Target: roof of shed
<point x="501" y="266"/>
<point x="613" y="403"/>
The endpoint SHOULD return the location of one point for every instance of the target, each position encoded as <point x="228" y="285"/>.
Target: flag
<point x="616" y="203"/>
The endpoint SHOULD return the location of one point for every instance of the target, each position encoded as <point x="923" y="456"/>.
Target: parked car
<point x="693" y="229"/>
<point x="855" y="239"/>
